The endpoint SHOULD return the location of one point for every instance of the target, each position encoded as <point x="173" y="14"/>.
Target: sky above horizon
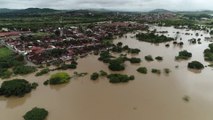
<point x="127" y="5"/>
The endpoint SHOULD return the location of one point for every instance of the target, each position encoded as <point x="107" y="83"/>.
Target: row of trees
<point x="119" y="78"/>
<point x="120" y="48"/>
<point x="72" y="65"/>
<point x="23" y="70"/>
<point x="180" y="23"/>
<point x="152" y="38"/>
<point x="96" y="75"/>
<point x="113" y="78"/>
<point x="144" y="70"/>
<point x="116" y="64"/>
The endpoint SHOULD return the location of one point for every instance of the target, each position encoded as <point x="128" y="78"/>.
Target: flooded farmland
<point x="148" y="97"/>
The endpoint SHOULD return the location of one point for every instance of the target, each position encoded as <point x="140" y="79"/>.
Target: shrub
<point x="135" y="60"/>
<point x="174" y="42"/>
<point x="159" y="58"/>
<point x="181" y="43"/>
<point x="134" y="51"/>
<point x="167" y="45"/>
<point x="131" y="77"/>
<point x="46" y="82"/>
<point x="36" y="114"/>
<point x="149" y="58"/>
<point x="94" y="76"/>
<point x="167" y="71"/>
<point x="186" y="98"/>
<point x="120" y="44"/>
<point x="34" y="85"/>
<point x="74" y="62"/>
<point x="195" y="65"/>
<point x="116" y="67"/>
<point x="184" y="55"/>
<point x="5" y="73"/>
<point x="142" y="70"/>
<point x="211" y="32"/>
<point x="117" y="49"/>
<point x="193" y="41"/>
<point x="105" y="56"/>
<point x="68" y="66"/>
<point x="76" y="74"/>
<point x="157" y="71"/>
<point x="117" y="64"/>
<point x="126" y="47"/>
<point x="103" y="73"/>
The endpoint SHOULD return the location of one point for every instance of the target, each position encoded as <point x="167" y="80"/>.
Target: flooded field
<point x="148" y="97"/>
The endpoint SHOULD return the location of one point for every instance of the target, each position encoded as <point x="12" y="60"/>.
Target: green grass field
<point x="5" y="52"/>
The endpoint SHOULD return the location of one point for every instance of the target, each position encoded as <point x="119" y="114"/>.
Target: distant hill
<point x="35" y="10"/>
<point x="27" y="12"/>
<point x="160" y="11"/>
<point x="5" y="10"/>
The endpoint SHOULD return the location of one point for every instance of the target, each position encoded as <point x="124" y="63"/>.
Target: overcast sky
<point x="132" y="5"/>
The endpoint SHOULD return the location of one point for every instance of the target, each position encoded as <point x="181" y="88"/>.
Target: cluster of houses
<point x="155" y="17"/>
<point x="65" y="43"/>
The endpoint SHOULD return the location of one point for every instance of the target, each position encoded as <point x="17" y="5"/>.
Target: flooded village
<point x="67" y="42"/>
<point x="147" y="67"/>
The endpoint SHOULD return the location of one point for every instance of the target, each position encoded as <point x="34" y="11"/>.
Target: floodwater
<point x="148" y="97"/>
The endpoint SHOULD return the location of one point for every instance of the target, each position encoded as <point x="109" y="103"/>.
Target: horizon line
<point x="107" y="9"/>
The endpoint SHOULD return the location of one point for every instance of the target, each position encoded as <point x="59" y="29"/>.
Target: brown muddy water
<point x="148" y="97"/>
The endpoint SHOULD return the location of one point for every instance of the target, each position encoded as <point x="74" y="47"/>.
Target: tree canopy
<point x="16" y="87"/>
<point x="195" y="65"/>
<point x="59" y="78"/>
<point x="36" y="114"/>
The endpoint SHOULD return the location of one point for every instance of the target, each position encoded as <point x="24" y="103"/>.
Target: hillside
<point x="26" y="12"/>
<point x="160" y="11"/>
<point x="5" y="10"/>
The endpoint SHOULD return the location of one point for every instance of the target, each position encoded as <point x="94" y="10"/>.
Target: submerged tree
<point x="36" y="114"/>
